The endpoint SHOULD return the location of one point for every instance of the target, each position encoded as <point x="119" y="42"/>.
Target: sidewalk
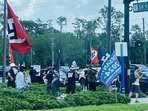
<point x="141" y="100"/>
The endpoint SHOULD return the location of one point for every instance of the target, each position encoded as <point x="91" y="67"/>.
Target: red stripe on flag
<point x="94" y="56"/>
<point x="11" y="59"/>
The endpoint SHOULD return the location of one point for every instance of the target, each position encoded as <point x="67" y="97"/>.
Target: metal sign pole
<point x="4" y="44"/>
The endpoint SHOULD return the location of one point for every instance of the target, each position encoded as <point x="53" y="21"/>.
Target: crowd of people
<point x="17" y="79"/>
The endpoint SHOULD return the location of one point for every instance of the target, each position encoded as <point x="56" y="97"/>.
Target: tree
<point x="30" y="26"/>
<point x="62" y="21"/>
<point x="116" y="23"/>
<point x="137" y="54"/>
<point x="136" y="33"/>
<point x="49" y="23"/>
<point x="79" y="27"/>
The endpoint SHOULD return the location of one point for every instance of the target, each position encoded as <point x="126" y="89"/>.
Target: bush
<point x="36" y="98"/>
<point x="95" y="98"/>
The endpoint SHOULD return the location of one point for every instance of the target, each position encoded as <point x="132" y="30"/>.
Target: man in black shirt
<point x="71" y="76"/>
<point x="11" y="76"/>
<point x="33" y="74"/>
<point x="49" y="78"/>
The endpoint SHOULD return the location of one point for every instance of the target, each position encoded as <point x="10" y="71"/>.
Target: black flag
<point x="102" y="54"/>
<point x="57" y="65"/>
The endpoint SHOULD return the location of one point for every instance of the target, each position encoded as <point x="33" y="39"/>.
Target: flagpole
<point x="4" y="44"/>
<point x="90" y="48"/>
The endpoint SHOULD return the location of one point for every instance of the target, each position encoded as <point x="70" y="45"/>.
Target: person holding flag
<point x="91" y="76"/>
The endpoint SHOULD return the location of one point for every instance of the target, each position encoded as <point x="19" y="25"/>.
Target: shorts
<point x="135" y="88"/>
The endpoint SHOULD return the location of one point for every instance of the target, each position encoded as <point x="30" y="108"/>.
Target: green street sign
<point x="140" y="7"/>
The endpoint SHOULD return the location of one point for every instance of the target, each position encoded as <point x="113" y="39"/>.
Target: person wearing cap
<point x="70" y="77"/>
<point x="20" y="79"/>
<point x="33" y="74"/>
<point x="11" y="76"/>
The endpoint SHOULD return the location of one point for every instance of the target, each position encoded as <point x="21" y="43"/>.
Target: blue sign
<point x="110" y="69"/>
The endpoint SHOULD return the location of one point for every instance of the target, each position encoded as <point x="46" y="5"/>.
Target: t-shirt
<point x="12" y="74"/>
<point x="92" y="75"/>
<point x="20" y="80"/>
<point x="71" y="78"/>
<point x="49" y="76"/>
<point x="33" y="73"/>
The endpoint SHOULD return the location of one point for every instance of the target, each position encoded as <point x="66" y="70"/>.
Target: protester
<point x="92" y="78"/>
<point x="49" y="78"/>
<point x="33" y="74"/>
<point x="11" y="75"/>
<point x="70" y="77"/>
<point x="136" y="85"/>
<point x="86" y="80"/>
<point x="20" y="79"/>
<point x="55" y="83"/>
<point x="44" y="77"/>
<point x="118" y="83"/>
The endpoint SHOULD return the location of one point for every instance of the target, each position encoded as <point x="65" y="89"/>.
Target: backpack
<point x="132" y="77"/>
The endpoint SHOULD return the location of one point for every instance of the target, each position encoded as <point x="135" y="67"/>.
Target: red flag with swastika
<point x="94" y="56"/>
<point x="18" y="38"/>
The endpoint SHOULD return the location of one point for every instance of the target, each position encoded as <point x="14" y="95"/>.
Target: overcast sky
<point x="52" y="9"/>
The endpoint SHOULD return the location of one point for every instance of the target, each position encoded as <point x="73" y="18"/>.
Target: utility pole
<point x="109" y="28"/>
<point x="4" y="44"/>
<point x="126" y="39"/>
<point x="31" y="57"/>
<point x="52" y="49"/>
<point x="90" y="47"/>
<point x="144" y="48"/>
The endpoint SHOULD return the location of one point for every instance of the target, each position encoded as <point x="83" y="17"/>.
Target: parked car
<point x="144" y="79"/>
<point x="1" y="70"/>
<point x="82" y="77"/>
<point x="63" y="70"/>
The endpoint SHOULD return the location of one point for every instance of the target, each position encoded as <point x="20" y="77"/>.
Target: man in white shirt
<point x="20" y="79"/>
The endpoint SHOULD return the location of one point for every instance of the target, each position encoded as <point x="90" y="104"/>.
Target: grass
<point x="110" y="107"/>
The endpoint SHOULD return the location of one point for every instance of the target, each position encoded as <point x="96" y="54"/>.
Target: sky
<point x="52" y="9"/>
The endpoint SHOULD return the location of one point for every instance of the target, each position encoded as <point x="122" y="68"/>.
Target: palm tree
<point x="62" y="21"/>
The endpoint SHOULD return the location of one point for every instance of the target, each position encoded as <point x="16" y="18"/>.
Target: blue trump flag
<point x="110" y="69"/>
<point x="103" y="55"/>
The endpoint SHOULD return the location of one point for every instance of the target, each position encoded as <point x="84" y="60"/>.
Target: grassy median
<point x="112" y="107"/>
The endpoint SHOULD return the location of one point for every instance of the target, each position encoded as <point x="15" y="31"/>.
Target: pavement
<point x="141" y="100"/>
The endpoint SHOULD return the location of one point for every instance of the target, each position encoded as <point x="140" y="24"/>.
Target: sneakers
<point x="137" y="101"/>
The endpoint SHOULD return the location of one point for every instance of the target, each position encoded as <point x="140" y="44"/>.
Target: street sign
<point x="121" y="49"/>
<point x="140" y="7"/>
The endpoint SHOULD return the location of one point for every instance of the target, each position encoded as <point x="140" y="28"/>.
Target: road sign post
<point x="121" y="50"/>
<point x="140" y="7"/>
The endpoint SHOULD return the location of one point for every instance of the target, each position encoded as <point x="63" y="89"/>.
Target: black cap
<point x="22" y="68"/>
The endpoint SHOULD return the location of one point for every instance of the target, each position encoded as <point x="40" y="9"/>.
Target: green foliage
<point x="35" y="98"/>
<point x="74" y="45"/>
<point x="95" y="98"/>
<point x="141" y="94"/>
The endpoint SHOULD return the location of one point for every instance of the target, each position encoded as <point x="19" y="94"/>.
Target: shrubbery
<point x="36" y="97"/>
